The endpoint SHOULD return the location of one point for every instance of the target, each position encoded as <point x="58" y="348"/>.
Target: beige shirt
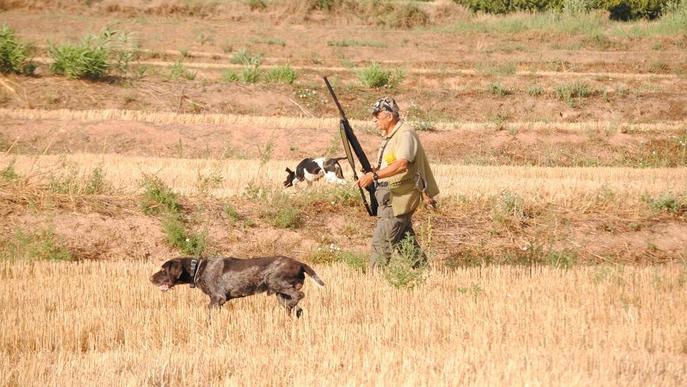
<point x="405" y="147"/>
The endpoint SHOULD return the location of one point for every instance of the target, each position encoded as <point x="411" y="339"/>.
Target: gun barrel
<point x="336" y="100"/>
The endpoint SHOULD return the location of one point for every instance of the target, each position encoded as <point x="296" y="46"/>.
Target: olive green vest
<point x="405" y="188"/>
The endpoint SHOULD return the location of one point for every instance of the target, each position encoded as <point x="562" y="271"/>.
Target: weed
<point x="569" y="91"/>
<point x="281" y="74"/>
<point x="668" y="202"/>
<point x="190" y="243"/>
<point x="407" y="267"/>
<point x="9" y="173"/>
<point x="496" y="88"/>
<point x="535" y="90"/>
<point x="231" y="213"/>
<point x="325" y="255"/>
<point x="563" y="259"/>
<point x="251" y="74"/>
<point x="356" y="43"/>
<point x="35" y="246"/>
<point x="230" y="76"/>
<point x="94" y="56"/>
<point x="374" y="76"/>
<point x="178" y="70"/>
<point x="207" y="183"/>
<point x="257" y="5"/>
<point x="286" y="216"/>
<point x="245" y="57"/>
<point x="496" y="68"/>
<point x="14" y="54"/>
<point x="157" y="196"/>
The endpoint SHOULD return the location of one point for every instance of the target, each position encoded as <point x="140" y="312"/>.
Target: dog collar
<point x="195" y="269"/>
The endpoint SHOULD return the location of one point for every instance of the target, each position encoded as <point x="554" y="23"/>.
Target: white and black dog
<point x="310" y="170"/>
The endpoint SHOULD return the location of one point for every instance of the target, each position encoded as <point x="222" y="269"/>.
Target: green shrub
<point x="157" y="196"/>
<point x="563" y="259"/>
<point x="35" y="246"/>
<point x="281" y="74"/>
<point x="374" y="76"/>
<point x="14" y="54"/>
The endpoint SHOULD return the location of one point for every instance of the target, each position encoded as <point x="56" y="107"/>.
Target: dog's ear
<point x="173" y="269"/>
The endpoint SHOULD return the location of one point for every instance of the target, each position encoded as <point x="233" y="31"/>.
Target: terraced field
<point x="560" y="148"/>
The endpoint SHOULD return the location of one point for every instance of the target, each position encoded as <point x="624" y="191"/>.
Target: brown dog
<point x="225" y="278"/>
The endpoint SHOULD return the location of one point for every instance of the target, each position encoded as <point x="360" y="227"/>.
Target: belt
<point x="381" y="184"/>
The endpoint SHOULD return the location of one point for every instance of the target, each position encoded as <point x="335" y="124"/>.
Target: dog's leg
<point x="292" y="299"/>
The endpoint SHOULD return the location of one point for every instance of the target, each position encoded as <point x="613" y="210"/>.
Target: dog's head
<point x="169" y="274"/>
<point x="289" y="178"/>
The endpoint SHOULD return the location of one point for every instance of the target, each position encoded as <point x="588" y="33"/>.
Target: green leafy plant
<point x="245" y="57"/>
<point x="177" y="70"/>
<point x="14" y="54"/>
<point x="157" y="196"/>
<point x="35" y="246"/>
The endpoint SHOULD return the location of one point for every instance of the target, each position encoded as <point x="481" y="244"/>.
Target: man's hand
<point x="364" y="180"/>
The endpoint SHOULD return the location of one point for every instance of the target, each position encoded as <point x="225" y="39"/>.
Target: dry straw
<point x="103" y="323"/>
<point x="285" y="122"/>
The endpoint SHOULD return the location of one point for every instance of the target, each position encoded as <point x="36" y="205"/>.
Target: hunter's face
<point x="384" y="121"/>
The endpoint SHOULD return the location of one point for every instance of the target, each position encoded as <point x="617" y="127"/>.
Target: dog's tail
<point x="313" y="275"/>
<point x="339" y="158"/>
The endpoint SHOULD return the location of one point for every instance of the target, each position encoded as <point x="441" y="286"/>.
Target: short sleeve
<point x="406" y="147"/>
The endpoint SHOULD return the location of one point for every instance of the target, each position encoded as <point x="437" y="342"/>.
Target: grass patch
<point x="327" y="255"/>
<point x="375" y="76"/>
<point x="356" y="43"/>
<point x="36" y="246"/>
<point x="535" y="90"/>
<point x="245" y="57"/>
<point x="72" y="183"/>
<point x="178" y="71"/>
<point x="14" y="55"/>
<point x="281" y="74"/>
<point x="158" y="197"/>
<point x="569" y="92"/>
<point x="496" y="69"/>
<point x="496" y="88"/>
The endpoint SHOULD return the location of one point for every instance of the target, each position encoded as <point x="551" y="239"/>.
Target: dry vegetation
<point x="558" y="252"/>
<point x="604" y="325"/>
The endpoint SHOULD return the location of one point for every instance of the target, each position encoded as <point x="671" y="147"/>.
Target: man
<point x="403" y="179"/>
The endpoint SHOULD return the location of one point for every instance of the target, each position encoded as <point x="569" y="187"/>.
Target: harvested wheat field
<point x="605" y="325"/>
<point x="135" y="132"/>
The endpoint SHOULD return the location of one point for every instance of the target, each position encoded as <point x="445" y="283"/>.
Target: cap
<point x="385" y="104"/>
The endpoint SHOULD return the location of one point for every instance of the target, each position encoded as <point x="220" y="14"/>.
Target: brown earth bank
<point x="495" y="144"/>
<point x="461" y="233"/>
